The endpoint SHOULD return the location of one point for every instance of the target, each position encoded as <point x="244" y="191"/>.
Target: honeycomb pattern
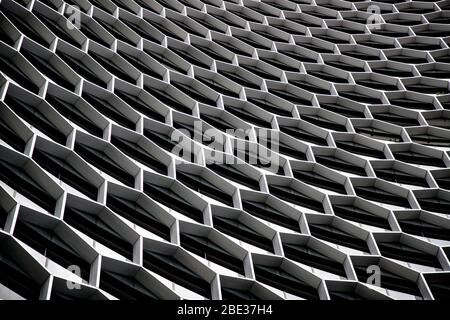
<point x="95" y="203"/>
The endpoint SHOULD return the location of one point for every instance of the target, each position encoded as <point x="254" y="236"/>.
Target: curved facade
<point x="240" y="149"/>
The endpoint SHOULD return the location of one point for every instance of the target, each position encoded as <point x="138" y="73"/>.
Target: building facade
<point x="239" y="149"/>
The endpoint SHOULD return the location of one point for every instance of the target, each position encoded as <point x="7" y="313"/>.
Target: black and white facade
<point x="224" y="149"/>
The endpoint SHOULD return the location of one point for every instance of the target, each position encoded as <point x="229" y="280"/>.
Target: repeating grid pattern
<point x="95" y="203"/>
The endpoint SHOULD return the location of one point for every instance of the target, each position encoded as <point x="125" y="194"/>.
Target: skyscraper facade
<point x="224" y="149"/>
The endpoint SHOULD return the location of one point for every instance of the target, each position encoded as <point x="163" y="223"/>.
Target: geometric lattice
<point x="350" y="97"/>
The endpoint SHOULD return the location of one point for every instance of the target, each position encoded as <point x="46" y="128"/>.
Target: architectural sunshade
<point x="224" y="149"/>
